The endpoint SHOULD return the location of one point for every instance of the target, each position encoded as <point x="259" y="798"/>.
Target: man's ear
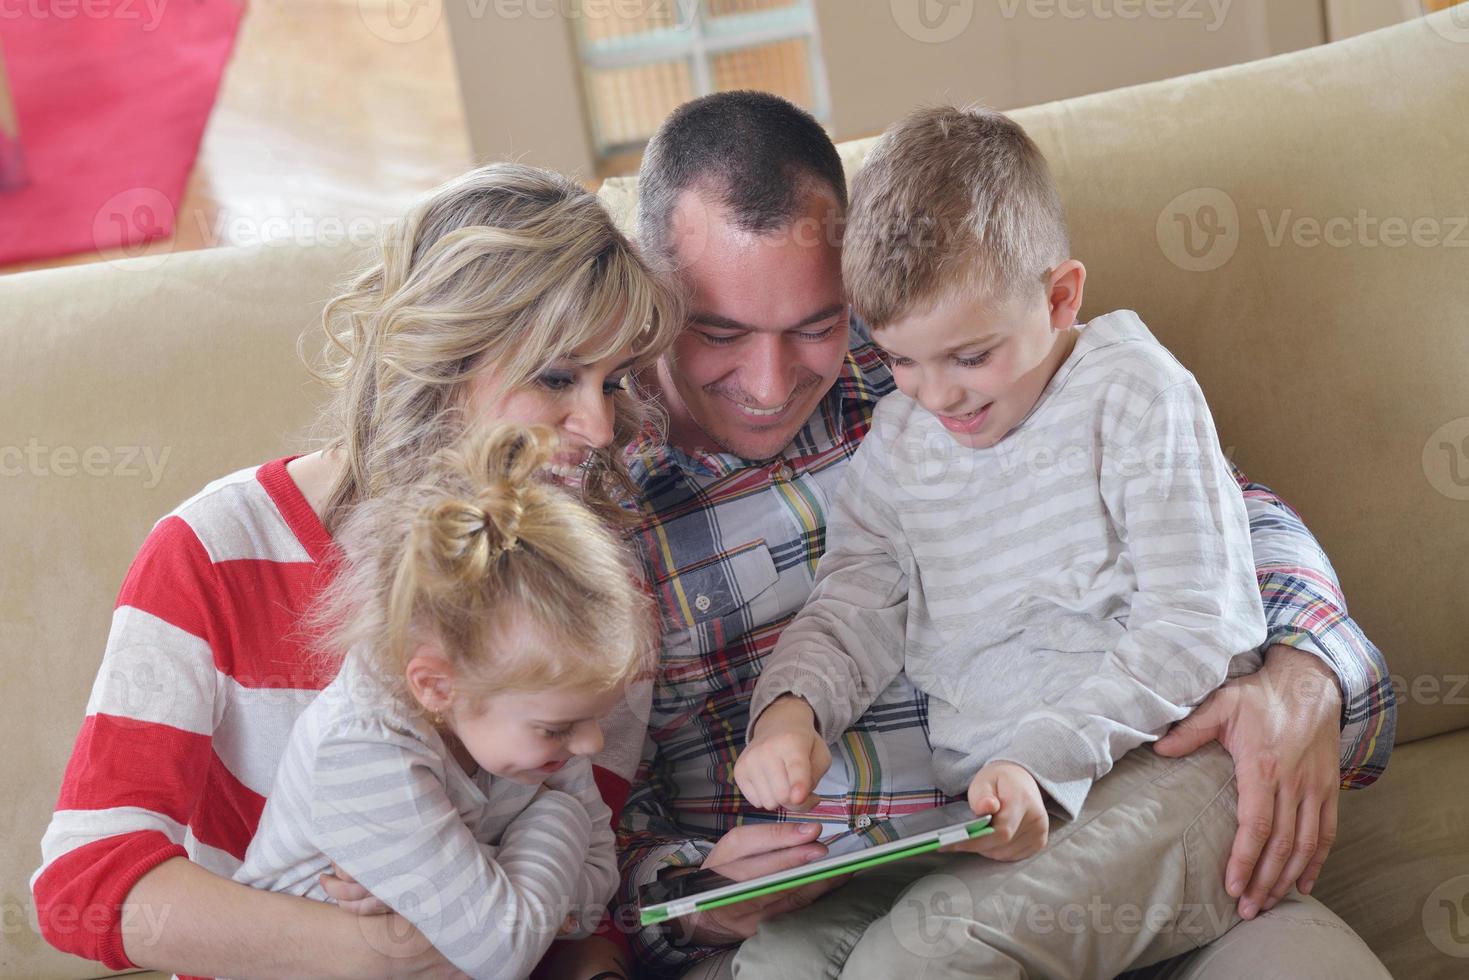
<point x="431" y="679"/>
<point x="1063" y="293"/>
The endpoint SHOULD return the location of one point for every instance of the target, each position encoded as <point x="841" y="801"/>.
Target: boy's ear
<point x="1063" y="293"/>
<point x="430" y="679"/>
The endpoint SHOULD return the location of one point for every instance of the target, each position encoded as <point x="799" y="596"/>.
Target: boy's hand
<point x="1010" y="794"/>
<point x="785" y="759"/>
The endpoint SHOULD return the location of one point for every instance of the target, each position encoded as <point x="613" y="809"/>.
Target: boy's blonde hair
<point x="515" y="582"/>
<point x="506" y="265"/>
<point x="950" y="199"/>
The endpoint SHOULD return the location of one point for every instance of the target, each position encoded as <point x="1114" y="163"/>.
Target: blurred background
<point x="132" y="127"/>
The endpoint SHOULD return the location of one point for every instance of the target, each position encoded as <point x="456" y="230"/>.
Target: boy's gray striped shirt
<point x="1061" y="597"/>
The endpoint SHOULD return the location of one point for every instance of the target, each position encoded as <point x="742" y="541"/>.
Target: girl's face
<point x="526" y="736"/>
<point x="523" y="735"/>
<point x="573" y="396"/>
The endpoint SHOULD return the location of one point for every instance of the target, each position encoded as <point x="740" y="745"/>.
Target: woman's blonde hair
<point x="513" y="580"/>
<point x="506" y="265"/>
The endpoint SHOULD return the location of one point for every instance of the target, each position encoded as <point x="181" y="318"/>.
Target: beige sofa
<point x="1322" y="303"/>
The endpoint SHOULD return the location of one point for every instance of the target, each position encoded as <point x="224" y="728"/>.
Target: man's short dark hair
<point x="759" y="154"/>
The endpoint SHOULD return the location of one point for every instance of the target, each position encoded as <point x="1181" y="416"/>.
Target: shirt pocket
<point x="707" y="604"/>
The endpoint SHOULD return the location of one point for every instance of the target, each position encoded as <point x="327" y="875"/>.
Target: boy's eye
<point x="974" y="360"/>
<point x="555" y="732"/>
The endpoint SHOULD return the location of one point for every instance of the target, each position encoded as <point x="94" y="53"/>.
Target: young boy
<point x="1042" y="531"/>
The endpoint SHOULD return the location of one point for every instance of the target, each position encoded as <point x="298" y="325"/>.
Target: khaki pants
<point x="1135" y="880"/>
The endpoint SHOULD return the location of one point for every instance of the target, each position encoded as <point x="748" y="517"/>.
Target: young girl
<point x="487" y="622"/>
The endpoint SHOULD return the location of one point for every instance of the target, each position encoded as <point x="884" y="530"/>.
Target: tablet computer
<point x="884" y="841"/>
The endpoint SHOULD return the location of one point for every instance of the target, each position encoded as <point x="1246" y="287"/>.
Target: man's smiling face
<point x="767" y="329"/>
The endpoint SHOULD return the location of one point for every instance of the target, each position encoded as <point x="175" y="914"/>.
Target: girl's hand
<point x="1010" y="794"/>
<point x="350" y="896"/>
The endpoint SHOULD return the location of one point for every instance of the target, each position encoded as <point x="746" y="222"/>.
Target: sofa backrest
<point x="1294" y="229"/>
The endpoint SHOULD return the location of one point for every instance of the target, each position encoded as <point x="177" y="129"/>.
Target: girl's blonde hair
<point x="506" y="265"/>
<point x="514" y="581"/>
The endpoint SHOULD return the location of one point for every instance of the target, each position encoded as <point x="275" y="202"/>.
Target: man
<point x="769" y="391"/>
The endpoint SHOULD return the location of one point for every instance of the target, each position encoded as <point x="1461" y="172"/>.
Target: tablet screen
<point x="693" y="884"/>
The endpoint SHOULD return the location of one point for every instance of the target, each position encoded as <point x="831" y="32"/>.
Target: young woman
<point x="507" y="294"/>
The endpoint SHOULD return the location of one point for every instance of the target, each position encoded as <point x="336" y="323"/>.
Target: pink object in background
<point x="12" y="163"/>
<point x="111" y="103"/>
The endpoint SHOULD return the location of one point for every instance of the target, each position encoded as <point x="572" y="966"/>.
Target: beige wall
<point x="882" y="61"/>
<point x="1348" y="18"/>
<point x="520" y="84"/>
<point x="523" y="98"/>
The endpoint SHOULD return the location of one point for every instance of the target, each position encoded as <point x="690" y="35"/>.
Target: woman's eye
<point x="555" y="382"/>
<point x="974" y="361"/>
<point x="614" y="385"/>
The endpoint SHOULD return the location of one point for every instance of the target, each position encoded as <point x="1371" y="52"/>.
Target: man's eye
<point x="719" y="341"/>
<point x="974" y="361"/>
<point x="819" y="334"/>
<point x="555" y="382"/>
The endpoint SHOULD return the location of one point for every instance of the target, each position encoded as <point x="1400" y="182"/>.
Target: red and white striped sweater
<point x="205" y="672"/>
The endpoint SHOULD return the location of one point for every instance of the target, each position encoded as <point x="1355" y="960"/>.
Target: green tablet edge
<point x="978" y="828"/>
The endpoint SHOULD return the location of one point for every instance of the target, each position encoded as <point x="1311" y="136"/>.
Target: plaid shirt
<point x="730" y="548"/>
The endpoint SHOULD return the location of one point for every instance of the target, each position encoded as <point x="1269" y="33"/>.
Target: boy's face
<point x="979" y="365"/>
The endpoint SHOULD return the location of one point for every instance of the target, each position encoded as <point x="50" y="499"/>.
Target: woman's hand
<point x="1009" y="794"/>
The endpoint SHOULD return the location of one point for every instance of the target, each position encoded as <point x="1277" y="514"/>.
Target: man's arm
<point x="1305" y="609"/>
<point x="1320" y="713"/>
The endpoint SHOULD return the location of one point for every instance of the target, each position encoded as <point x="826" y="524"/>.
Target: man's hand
<point x="785" y="759"/>
<point x="1009" y="794"/>
<point x="1282" y="726"/>
<point x="749" y="852"/>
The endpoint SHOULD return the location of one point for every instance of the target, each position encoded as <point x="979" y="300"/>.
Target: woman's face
<point x="572" y="396"/>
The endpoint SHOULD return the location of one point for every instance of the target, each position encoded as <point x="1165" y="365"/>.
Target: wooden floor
<point x="321" y="128"/>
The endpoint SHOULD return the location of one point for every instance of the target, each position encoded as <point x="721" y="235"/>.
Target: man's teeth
<point x="751" y="410"/>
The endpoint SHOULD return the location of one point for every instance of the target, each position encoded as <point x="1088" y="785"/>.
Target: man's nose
<point x="767" y="372"/>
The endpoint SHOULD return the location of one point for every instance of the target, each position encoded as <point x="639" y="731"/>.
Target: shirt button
<point x="782" y="472"/>
<point x="863" y="822"/>
<point x="702" y="603"/>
